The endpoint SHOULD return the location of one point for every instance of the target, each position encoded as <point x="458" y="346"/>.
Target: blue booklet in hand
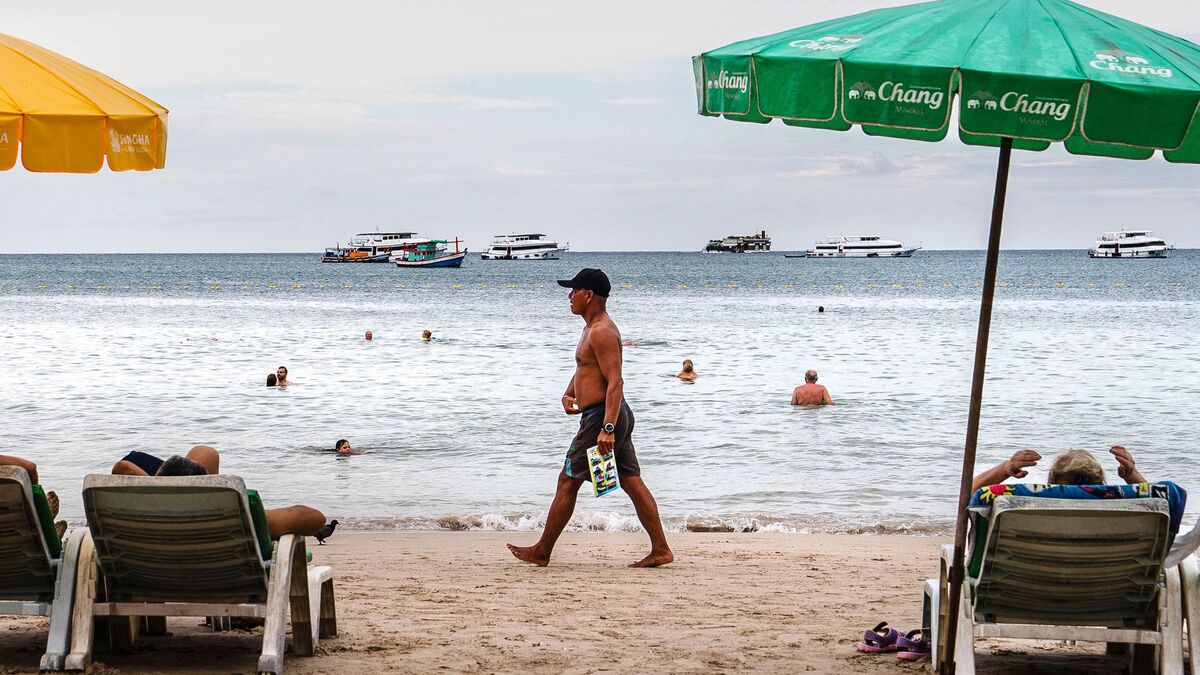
<point x="603" y="469"/>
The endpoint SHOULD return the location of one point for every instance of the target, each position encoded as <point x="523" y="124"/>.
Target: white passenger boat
<point x="860" y="247"/>
<point x="1129" y="244"/>
<point x="523" y="247"/>
<point x="372" y="247"/>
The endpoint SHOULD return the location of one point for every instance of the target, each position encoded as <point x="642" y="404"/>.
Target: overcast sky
<point x="294" y="125"/>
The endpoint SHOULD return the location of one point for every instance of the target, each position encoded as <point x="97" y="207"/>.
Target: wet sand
<point x="415" y="602"/>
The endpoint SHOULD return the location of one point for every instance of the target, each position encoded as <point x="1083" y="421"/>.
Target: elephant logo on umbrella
<point x="862" y="90"/>
<point x="982" y="99"/>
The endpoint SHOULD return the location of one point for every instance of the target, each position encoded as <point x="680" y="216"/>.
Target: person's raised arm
<point x="606" y="346"/>
<point x="1013" y="467"/>
<point x="1127" y="468"/>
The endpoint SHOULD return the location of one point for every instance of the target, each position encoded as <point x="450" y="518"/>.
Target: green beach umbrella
<point x="1024" y="74"/>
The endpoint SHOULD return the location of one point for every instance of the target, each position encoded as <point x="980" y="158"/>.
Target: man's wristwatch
<point x="610" y="428"/>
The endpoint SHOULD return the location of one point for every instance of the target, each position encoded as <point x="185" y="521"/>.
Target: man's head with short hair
<point x="181" y="466"/>
<point x="810" y="376"/>
<point x="281" y="371"/>
<point x="687" y="365"/>
<point x="1076" y="467"/>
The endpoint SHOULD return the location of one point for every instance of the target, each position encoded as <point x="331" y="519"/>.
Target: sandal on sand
<point x="913" y="645"/>
<point x="879" y="639"/>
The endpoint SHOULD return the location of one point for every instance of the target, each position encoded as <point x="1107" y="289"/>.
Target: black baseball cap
<point x="589" y="279"/>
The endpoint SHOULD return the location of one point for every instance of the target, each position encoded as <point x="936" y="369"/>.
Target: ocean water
<point x="102" y="354"/>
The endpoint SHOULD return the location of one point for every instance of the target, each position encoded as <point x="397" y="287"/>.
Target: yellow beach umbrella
<point x="64" y="117"/>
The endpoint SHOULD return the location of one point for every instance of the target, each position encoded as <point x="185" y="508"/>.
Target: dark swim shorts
<point x="591" y="422"/>
<point x="148" y="463"/>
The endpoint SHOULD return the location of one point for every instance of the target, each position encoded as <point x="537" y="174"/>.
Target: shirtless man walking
<point x="811" y="393"/>
<point x="595" y="393"/>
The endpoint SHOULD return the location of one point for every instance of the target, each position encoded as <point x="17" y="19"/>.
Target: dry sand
<point x="459" y="602"/>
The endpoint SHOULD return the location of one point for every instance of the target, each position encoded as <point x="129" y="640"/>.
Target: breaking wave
<point x="615" y="522"/>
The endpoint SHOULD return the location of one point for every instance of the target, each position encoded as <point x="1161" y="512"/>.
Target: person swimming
<point x="272" y="380"/>
<point x="427" y="335"/>
<point x="688" y="372"/>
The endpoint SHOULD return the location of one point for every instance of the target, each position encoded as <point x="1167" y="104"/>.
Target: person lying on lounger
<point x="1072" y="467"/>
<point x="204" y="460"/>
<point x="51" y="498"/>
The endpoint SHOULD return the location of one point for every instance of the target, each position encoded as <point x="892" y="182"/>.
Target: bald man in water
<point x="811" y="393"/>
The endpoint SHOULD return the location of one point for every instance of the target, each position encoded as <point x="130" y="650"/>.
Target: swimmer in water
<point x="688" y="373"/>
<point x="369" y="336"/>
<point x="281" y="377"/>
<point x="342" y="447"/>
<point x="811" y="393"/>
<point x="427" y="335"/>
<point x="272" y="380"/>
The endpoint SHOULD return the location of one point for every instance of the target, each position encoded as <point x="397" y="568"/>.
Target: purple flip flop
<point x="879" y="639"/>
<point x="913" y="645"/>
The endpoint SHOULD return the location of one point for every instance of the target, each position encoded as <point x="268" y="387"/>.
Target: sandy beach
<point x="458" y="602"/>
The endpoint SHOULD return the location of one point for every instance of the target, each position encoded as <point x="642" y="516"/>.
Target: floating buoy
<point x="157" y="287"/>
<point x="215" y="287"/>
<point x="1091" y="285"/>
<point x="42" y="286"/>
<point x="101" y="285"/>
<point x="626" y="285"/>
<point x="1120" y="284"/>
<point x="920" y="284"/>
<point x="1030" y="285"/>
<point x="870" y="285"/>
<point x="514" y="286"/>
<point x="456" y="286"/>
<point x="789" y="285"/>
<point x="348" y="286"/>
<point x="297" y="285"/>
<point x="946" y="285"/>
<point x="732" y="286"/>
<point x="321" y="286"/>
<point x="68" y="285"/>
<point x="681" y="286"/>
<point x="483" y="285"/>
<point x="897" y="286"/>
<point x="840" y="286"/>
<point x="1003" y="284"/>
<point x="272" y="285"/>
<point x="1060" y="285"/>
<point x="758" y="285"/>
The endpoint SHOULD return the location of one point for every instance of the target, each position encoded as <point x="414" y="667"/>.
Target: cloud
<point x="505" y="168"/>
<point x="632" y="101"/>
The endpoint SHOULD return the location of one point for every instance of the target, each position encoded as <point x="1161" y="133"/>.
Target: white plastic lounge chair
<point x="1068" y="569"/>
<point x="194" y="546"/>
<point x="37" y="575"/>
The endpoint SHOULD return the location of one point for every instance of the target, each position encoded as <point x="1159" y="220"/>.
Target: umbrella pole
<point x="957" y="570"/>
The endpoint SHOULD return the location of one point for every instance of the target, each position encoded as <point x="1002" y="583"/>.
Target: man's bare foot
<point x="655" y="559"/>
<point x="61" y="528"/>
<point x="52" y="500"/>
<point x="530" y="555"/>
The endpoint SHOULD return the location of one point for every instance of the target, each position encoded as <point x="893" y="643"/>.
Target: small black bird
<point x="326" y="532"/>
